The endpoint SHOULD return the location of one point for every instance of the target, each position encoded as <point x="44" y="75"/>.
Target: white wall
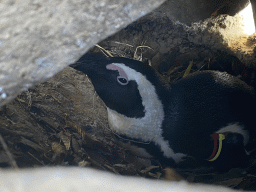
<point x="54" y="179"/>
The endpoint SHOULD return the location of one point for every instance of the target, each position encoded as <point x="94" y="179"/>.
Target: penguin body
<point x="177" y="123"/>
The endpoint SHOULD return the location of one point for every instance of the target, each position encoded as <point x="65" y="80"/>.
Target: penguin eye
<point x="122" y="80"/>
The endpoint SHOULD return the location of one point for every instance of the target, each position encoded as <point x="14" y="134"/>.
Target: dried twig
<point x="104" y="51"/>
<point x="12" y="161"/>
<point x="188" y="69"/>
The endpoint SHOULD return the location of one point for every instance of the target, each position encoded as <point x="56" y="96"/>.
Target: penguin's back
<point x="205" y="103"/>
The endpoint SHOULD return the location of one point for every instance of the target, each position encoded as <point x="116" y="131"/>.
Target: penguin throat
<point x="146" y="129"/>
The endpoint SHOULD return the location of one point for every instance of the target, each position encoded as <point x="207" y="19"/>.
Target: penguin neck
<point x="150" y="127"/>
<point x="147" y="128"/>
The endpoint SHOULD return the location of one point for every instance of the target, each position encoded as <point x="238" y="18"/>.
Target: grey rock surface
<point x="38" y="38"/>
<point x="190" y="11"/>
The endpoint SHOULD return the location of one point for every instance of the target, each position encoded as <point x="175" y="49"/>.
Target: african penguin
<point x="207" y="115"/>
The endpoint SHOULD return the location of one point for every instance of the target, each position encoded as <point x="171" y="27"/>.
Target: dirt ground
<point x="64" y="122"/>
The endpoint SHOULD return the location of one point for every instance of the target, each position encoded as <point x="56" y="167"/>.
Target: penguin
<point x="206" y="116"/>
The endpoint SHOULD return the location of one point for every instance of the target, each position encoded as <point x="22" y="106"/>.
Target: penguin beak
<point x="91" y="64"/>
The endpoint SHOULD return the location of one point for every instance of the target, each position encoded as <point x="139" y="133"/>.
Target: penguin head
<point x="119" y="82"/>
<point x="131" y="91"/>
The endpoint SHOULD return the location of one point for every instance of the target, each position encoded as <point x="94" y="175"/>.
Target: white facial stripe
<point x="236" y="128"/>
<point x="147" y="128"/>
<point x="120" y="70"/>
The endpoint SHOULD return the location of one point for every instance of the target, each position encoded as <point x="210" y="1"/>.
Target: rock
<point x="40" y="38"/>
<point x="190" y="11"/>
